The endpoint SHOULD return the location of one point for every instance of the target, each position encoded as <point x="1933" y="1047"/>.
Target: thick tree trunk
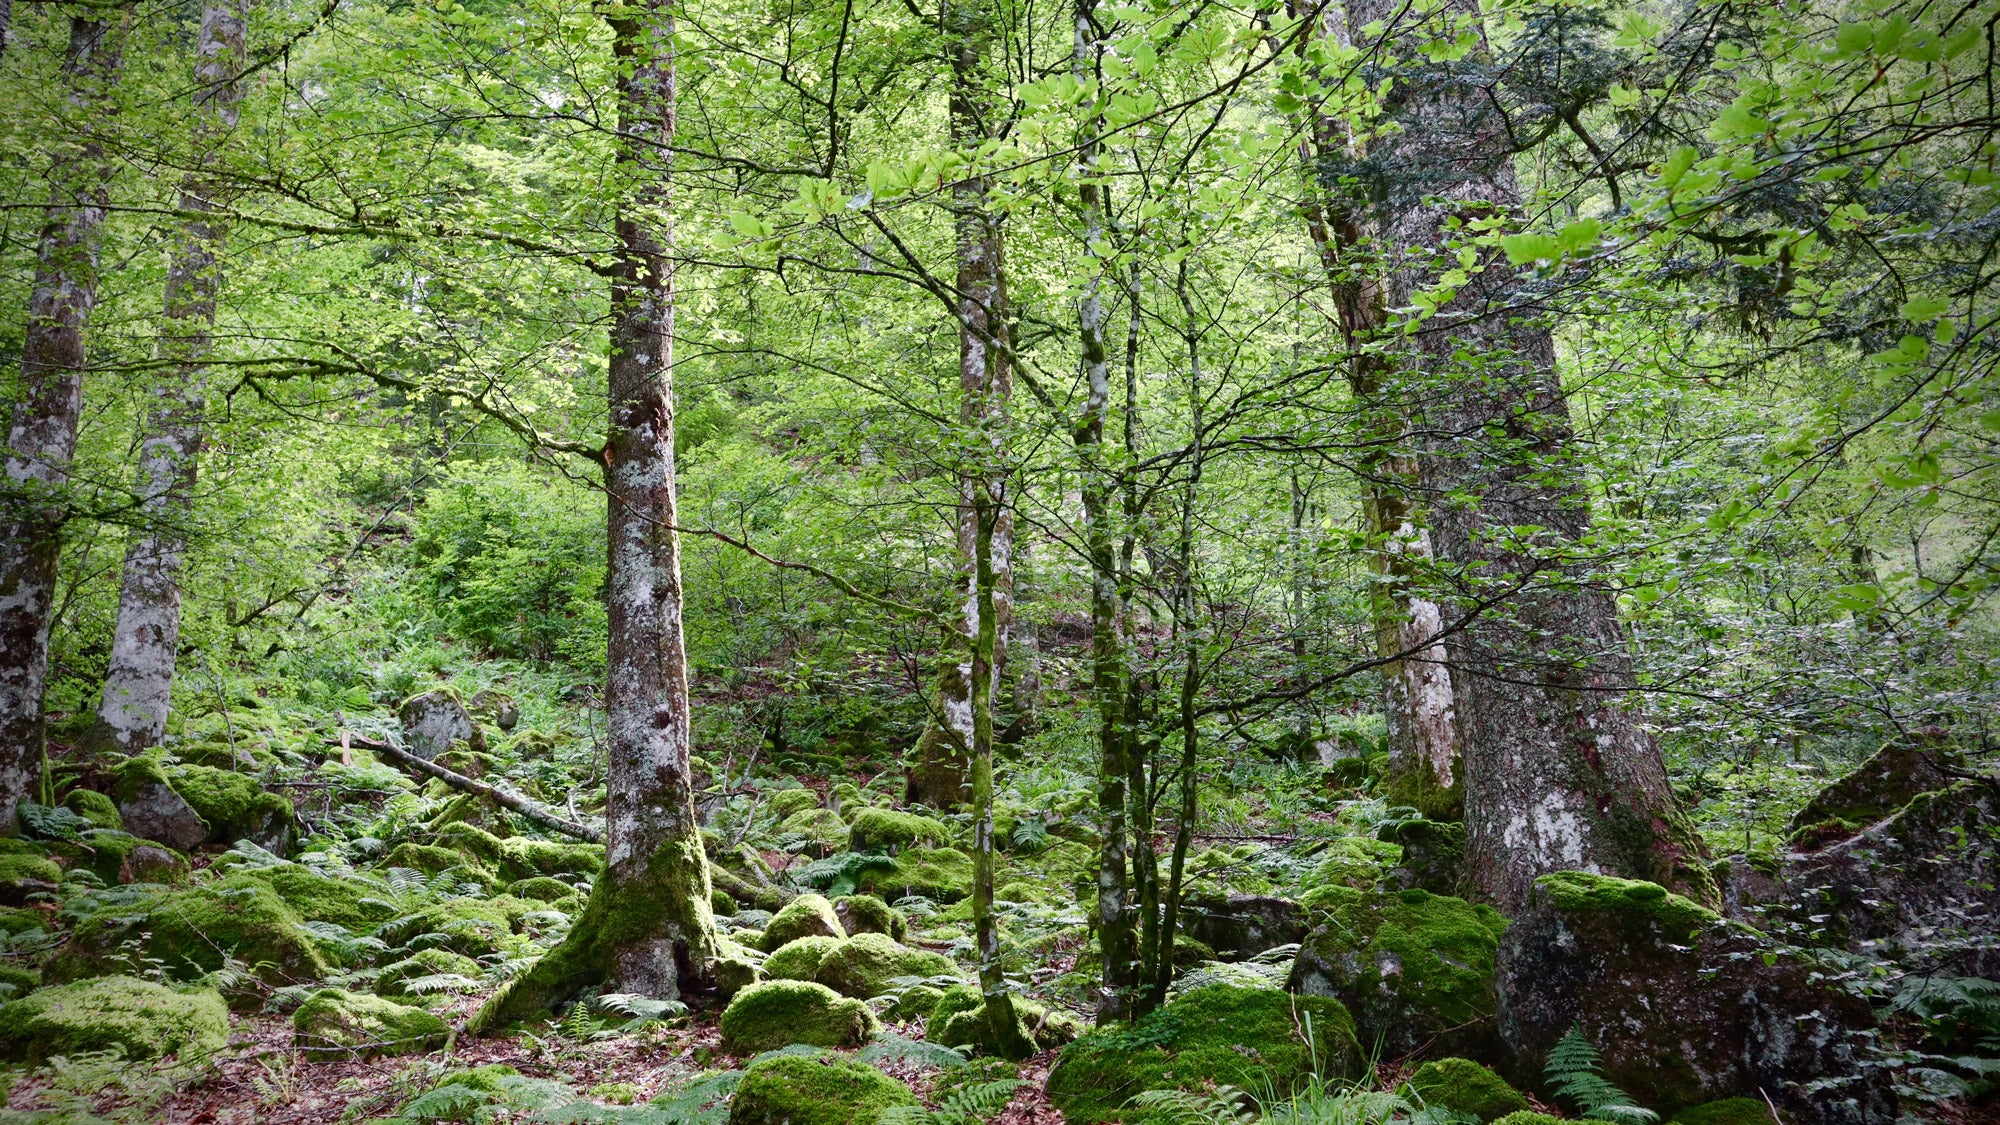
<point x="41" y="438"/>
<point x="647" y="928"/>
<point x="133" y="713"/>
<point x="1560" y="771"/>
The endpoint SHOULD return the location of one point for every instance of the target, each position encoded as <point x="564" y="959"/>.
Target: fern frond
<point x="1227" y="1106"/>
<point x="1573" y="1074"/>
<point x="892" y="1048"/>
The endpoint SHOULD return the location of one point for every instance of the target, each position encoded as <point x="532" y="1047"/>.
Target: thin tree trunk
<point x="1560" y="771"/>
<point x="41" y="438"/>
<point x="133" y="712"/>
<point x="647" y="928"/>
<point x="1138" y="751"/>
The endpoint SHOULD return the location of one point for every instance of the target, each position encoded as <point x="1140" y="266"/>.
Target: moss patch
<point x="1629" y="901"/>
<point x="192" y="931"/>
<point x="321" y="898"/>
<point x="799" y="960"/>
<point x="778" y="1013"/>
<point x="1729" y="1111"/>
<point x="335" y="1021"/>
<point x="875" y="830"/>
<point x="804" y="916"/>
<point x="786" y="803"/>
<point x="234" y="805"/>
<point x="394" y="979"/>
<point x="814" y="1091"/>
<point x="1463" y="1086"/>
<point x="942" y="874"/>
<point x="862" y="966"/>
<point x="146" y="1019"/>
<point x="97" y="808"/>
<point x="1035" y="1025"/>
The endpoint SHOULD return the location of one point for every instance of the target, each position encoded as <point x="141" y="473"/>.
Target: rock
<point x="1042" y="1028"/>
<point x="25" y="875"/>
<point x="916" y="1002"/>
<point x="866" y="914"/>
<point x="804" y="916"/>
<point x="97" y="808"/>
<point x="433" y="721"/>
<point x="191" y="932"/>
<point x="520" y="857"/>
<point x="1685" y="1008"/>
<point x="434" y="860"/>
<point x="1239" y="927"/>
<point x="101" y="851"/>
<point x="862" y="966"/>
<point x="236" y="808"/>
<point x="145" y="1019"/>
<point x="787" y="803"/>
<point x="151" y="863"/>
<point x="939" y="874"/>
<point x="545" y="888"/>
<point x="318" y="897"/>
<point x="799" y="958"/>
<point x="1463" y="1086"/>
<point x="790" y="1090"/>
<point x="1921" y="888"/>
<point x="822" y="830"/>
<point x="1433" y="855"/>
<point x="734" y="971"/>
<point x="1415" y="969"/>
<point x="778" y="1013"/>
<point x="335" y="1021"/>
<point x="890" y="830"/>
<point x="1888" y="779"/>
<point x="1208" y="1037"/>
<point x="151" y="810"/>
<point x="499" y="707"/>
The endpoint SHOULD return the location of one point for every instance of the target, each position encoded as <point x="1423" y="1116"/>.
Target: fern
<point x="888" y="1047"/>
<point x="54" y="822"/>
<point x="641" y="1010"/>
<point x="840" y="874"/>
<point x="703" y="1101"/>
<point x="1227" y="1106"/>
<point x="968" y="1105"/>
<point x="1030" y="835"/>
<point x="1573" y="1073"/>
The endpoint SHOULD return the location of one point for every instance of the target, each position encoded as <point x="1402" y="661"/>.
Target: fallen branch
<point x="504" y="797"/>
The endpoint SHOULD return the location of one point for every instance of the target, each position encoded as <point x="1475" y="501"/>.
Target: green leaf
<point x="1527" y="249"/>
<point x="1925" y="308"/>
<point x="1579" y="235"/>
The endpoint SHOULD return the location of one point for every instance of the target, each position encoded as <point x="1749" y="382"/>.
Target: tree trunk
<point x="647" y="928"/>
<point x="133" y="713"/>
<point x="1560" y="771"/>
<point x="41" y="438"/>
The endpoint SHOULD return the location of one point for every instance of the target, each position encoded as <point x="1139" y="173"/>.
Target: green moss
<point x="147" y="1020"/>
<point x="958" y="998"/>
<point x="1034" y="1025"/>
<point x="20" y="978"/>
<point x="317" y="897"/>
<point x="1729" y="1111"/>
<point x="875" y="830"/>
<point x="1529" y="1117"/>
<point x="1411" y="966"/>
<point x="102" y="852"/>
<point x="822" y="829"/>
<point x="804" y="916"/>
<point x="916" y="1002"/>
<point x="95" y="807"/>
<point x="191" y="932"/>
<point x="1628" y="901"/>
<point x="472" y="926"/>
<point x="787" y="803"/>
<point x="21" y="919"/>
<point x="424" y="963"/>
<point x="134" y="774"/>
<point x="862" y="966"/>
<point x="719" y="902"/>
<point x="522" y="857"/>
<point x="778" y="1013"/>
<point x="866" y="914"/>
<point x="1463" y="1086"/>
<point x="541" y="888"/>
<point x="799" y="959"/>
<point x="790" y="1090"/>
<point x="433" y="860"/>
<point x="1211" y="1036"/>
<point x="849" y="800"/>
<point x="20" y="873"/>
<point x="233" y="804"/>
<point x="335" y="1021"/>
<point x="942" y="874"/>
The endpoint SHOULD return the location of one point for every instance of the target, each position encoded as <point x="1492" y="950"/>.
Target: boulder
<point x="1885" y="781"/>
<point x="866" y="914"/>
<point x="1433" y="855"/>
<point x="433" y="720"/>
<point x="1239" y="927"/>
<point x="145" y="1019"/>
<point x="22" y="875"/>
<point x="778" y="1013"/>
<point x="791" y="1090"/>
<point x="334" y="1021"/>
<point x="1685" y="1007"/>
<point x="799" y="959"/>
<point x="236" y="808"/>
<point x="152" y="810"/>
<point x="804" y="916"/>
<point x="786" y="803"/>
<point x="151" y="863"/>
<point x="863" y="966"/>
<point x="1208" y="1037"/>
<point x="498" y="707"/>
<point x="97" y="808"/>
<point x="890" y="830"/>
<point x="822" y="831"/>
<point x="1415" y="969"/>
<point x="939" y="874"/>
<point x="191" y="932"/>
<point x="1039" y="1027"/>
<point x="1463" y="1086"/>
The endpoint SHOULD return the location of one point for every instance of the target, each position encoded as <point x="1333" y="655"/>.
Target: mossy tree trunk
<point x="647" y="928"/>
<point x="132" y="714"/>
<point x="41" y="436"/>
<point x="1560" y="771"/>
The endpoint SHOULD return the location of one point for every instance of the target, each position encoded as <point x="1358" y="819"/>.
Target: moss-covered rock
<point x="1902" y="770"/>
<point x="799" y="959"/>
<point x="1463" y="1086"/>
<point x="151" y="809"/>
<point x="20" y="979"/>
<point x="941" y="874"/>
<point x="542" y="888"/>
<point x="790" y="1090"/>
<point x="100" y="851"/>
<point x="778" y="1013"/>
<point x="434" y="860"/>
<point x="862" y="966"/>
<point x="786" y="803"/>
<point x="191" y="932"/>
<point x="958" y="998"/>
<point x="97" y="808"/>
<point x="804" y="916"/>
<point x="1684" y="1007"/>
<point x="145" y="1019"/>
<point x="1210" y="1036"/>
<point x="476" y="927"/>
<point x="1433" y="855"/>
<point x="24" y="875"/>
<point x="720" y="903"/>
<point x="1415" y="969"/>
<point x="515" y="858"/>
<point x="866" y="914"/>
<point x="1530" y="1117"/>
<point x="1728" y="1111"/>
<point x="821" y="831"/>
<point x="335" y="1021"/>
<point x="395" y="978"/>
<point x="235" y="807"/>
<point x="319" y="897"/>
<point x="1036" y="1026"/>
<point x="892" y="830"/>
<point x="1239" y="926"/>
<point x="917" y="1002"/>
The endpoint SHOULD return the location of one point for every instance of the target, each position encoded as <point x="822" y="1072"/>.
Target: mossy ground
<point x="142" y="1018"/>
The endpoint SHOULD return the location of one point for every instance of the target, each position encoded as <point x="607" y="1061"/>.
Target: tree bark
<point x="133" y="712"/>
<point x="647" y="928"/>
<point x="41" y="437"/>
<point x="1560" y="771"/>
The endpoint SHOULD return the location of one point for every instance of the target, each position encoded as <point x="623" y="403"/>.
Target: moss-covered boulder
<point x="1685" y="1008"/>
<point x="1239" y="926"/>
<point x="940" y="874"/>
<point x="1037" y="1028"/>
<point x="100" y="851"/>
<point x="235" y="807"/>
<point x="785" y="803"/>
<point x="1415" y="969"/>
<point x="1464" y="1086"/>
<point x="1432" y="855"/>
<point x="862" y="966"/>
<point x="432" y="859"/>
<point x="866" y="914"/>
<point x="334" y="1021"/>
<point x="191" y="932"/>
<point x="475" y="927"/>
<point x="546" y="888"/>
<point x="799" y="959"/>
<point x="429" y="969"/>
<point x="97" y="808"/>
<point x="433" y="721"/>
<point x="1728" y="1111"/>
<point x="1898" y="773"/>
<point x="790" y="1090"/>
<point x="24" y="875"/>
<point x="892" y="830"/>
<point x="778" y="1013"/>
<point x="816" y="832"/>
<point x="319" y="897"/>
<point x="804" y="916"/>
<point x="145" y="1019"/>
<point x="151" y="809"/>
<point x="515" y="858"/>
<point x="1208" y="1037"/>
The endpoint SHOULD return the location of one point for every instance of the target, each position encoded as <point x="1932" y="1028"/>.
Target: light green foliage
<point x="891" y="830"/>
<point x="1464" y="1086"/>
<point x="804" y="916"/>
<point x="781" y="1012"/>
<point x="864" y="965"/>
<point x="815" y="1091"/>
<point x="819" y="830"/>
<point x="800" y="958"/>
<point x="970" y="1104"/>
<point x="144" y="1019"/>
<point x="334" y="1021"/>
<point x="787" y="803"/>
